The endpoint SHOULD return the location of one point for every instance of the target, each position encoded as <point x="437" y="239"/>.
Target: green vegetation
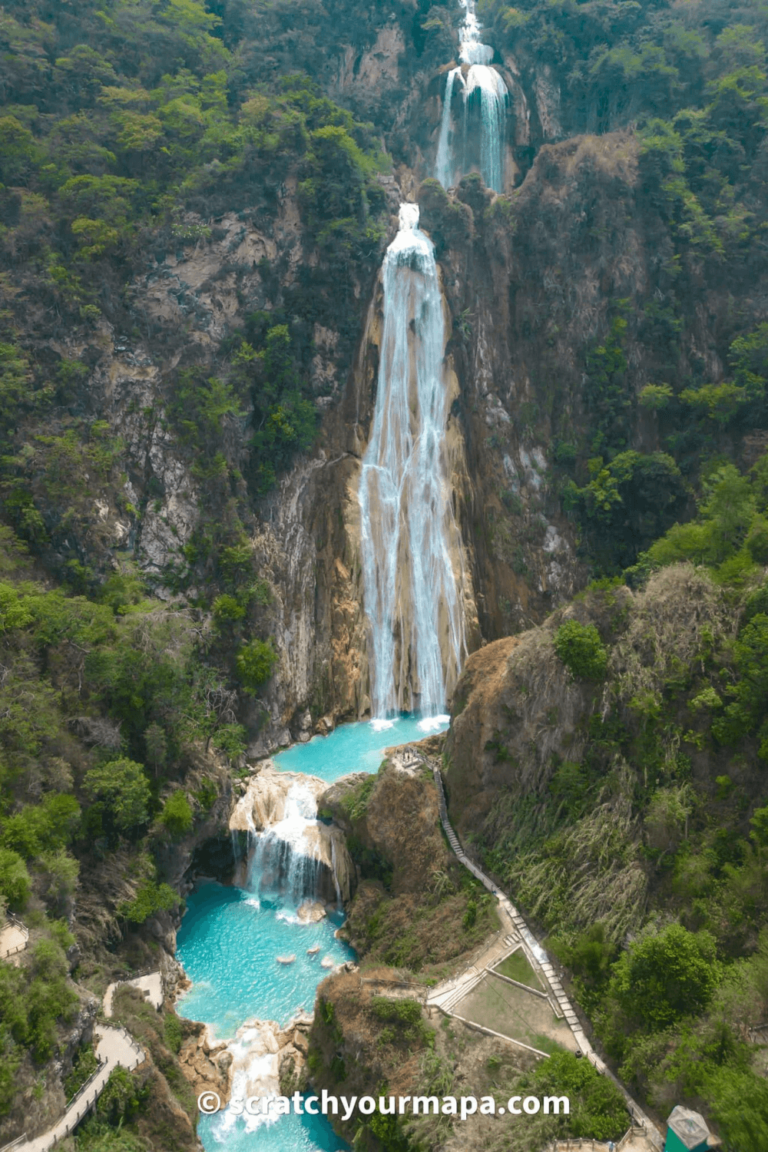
<point x="255" y="663"/>
<point x="649" y="415"/>
<point x="177" y="815"/>
<point x="645" y="858"/>
<point x="403" y="1022"/>
<point x="516" y="967"/>
<point x="600" y="1112"/>
<point x="581" y="650"/>
<point x="34" y="1000"/>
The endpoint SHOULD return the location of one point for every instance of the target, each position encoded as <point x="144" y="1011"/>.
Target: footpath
<point x="115" y="1048"/>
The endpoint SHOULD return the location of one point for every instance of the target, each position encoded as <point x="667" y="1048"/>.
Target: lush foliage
<point x="646" y="856"/>
<point x="581" y="650"/>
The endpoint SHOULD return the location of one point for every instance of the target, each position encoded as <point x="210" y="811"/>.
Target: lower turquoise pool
<point x="229" y="940"/>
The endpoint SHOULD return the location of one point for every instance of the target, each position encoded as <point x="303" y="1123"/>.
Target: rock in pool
<point x="326" y="962"/>
<point x="310" y="912"/>
<point x="286" y="959"/>
<point x="313" y="951"/>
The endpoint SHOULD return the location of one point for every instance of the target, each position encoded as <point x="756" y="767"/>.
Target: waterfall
<point x="284" y="859"/>
<point x="493" y="112"/>
<point x="493" y="98"/>
<point x="444" y="162"/>
<point x="408" y="531"/>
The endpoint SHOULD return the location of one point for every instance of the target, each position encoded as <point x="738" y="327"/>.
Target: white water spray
<point x="493" y="98"/>
<point x="410" y="541"/>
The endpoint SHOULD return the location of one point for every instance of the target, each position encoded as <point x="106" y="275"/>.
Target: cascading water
<point x="411" y="550"/>
<point x="445" y="166"/>
<point x="493" y="97"/>
<point x="283" y="859"/>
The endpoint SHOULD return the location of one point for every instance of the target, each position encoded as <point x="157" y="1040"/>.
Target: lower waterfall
<point x="411" y="549"/>
<point x="283" y="859"/>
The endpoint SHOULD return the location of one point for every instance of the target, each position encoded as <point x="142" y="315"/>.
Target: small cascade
<point x="484" y="87"/>
<point x="493" y="112"/>
<point x="284" y="860"/>
<point x="292" y="856"/>
<point x="411" y="549"/>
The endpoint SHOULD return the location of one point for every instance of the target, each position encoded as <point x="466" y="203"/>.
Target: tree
<point x="123" y="789"/>
<point x="664" y="977"/>
<point x="14" y="878"/>
<point x="176" y="815"/>
<point x="581" y="650"/>
<point x="150" y="898"/>
<point x="255" y="664"/>
<point x="628" y="503"/>
<point x="598" y="1111"/>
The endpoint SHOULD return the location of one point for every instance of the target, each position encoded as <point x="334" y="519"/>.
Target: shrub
<point x="601" y="1113"/>
<point x="150" y="898"/>
<point x="123" y="789"/>
<point x="14" y="878"/>
<point x="176" y="815"/>
<point x="255" y="663"/>
<point x="581" y="650"/>
<point x="664" y="977"/>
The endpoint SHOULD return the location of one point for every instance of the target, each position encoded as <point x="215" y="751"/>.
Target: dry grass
<point x="675" y="621"/>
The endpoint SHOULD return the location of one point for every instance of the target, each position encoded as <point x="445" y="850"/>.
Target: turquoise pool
<point x="229" y="940"/>
<point x="355" y="747"/>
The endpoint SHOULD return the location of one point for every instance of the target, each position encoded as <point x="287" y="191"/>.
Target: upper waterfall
<point x="411" y="549"/>
<point x="478" y="76"/>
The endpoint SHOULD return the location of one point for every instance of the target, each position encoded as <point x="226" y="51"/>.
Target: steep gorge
<point x="197" y="200"/>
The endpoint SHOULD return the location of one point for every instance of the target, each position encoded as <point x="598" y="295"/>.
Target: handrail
<point x="14" y="1143"/>
<point x="13" y="921"/>
<point x="85" y="1085"/>
<point x="12" y="918"/>
<point x="527" y="940"/>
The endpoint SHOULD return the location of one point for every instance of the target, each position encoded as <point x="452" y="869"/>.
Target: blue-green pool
<point x="230" y="937"/>
<point x="228" y="942"/>
<point x="355" y="747"/>
<point x="287" y="1134"/>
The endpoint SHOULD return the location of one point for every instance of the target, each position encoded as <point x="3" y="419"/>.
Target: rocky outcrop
<point x="206" y="1062"/>
<point x="399" y="819"/>
<point x="411" y="907"/>
<point x="516" y="710"/>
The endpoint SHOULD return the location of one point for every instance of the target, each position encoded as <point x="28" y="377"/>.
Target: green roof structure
<point x="687" y="1131"/>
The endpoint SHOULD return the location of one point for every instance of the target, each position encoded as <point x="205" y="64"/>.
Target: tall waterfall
<point x="411" y="550"/>
<point x="493" y="97"/>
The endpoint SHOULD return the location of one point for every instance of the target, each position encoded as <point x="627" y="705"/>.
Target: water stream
<point x="480" y="84"/>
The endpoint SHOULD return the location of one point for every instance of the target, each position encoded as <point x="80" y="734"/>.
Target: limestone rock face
<point x="206" y="1062"/>
<point x="518" y="712"/>
<point x="516" y="691"/>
